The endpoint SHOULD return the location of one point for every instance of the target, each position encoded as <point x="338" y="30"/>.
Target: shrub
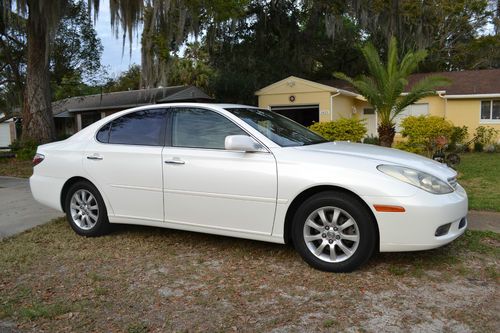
<point x="486" y="135"/>
<point x="371" y="140"/>
<point x="344" y="129"/>
<point x="478" y="147"/>
<point x="458" y="136"/>
<point x="489" y="148"/>
<point x="410" y="147"/>
<point x="63" y="136"/>
<point x="423" y="131"/>
<point x="24" y="150"/>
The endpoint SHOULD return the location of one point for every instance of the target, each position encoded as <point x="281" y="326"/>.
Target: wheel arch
<point x="297" y="201"/>
<point x="67" y="185"/>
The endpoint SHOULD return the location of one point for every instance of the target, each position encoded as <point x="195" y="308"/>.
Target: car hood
<point x="385" y="156"/>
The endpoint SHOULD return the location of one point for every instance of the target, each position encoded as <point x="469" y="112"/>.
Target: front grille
<point x="453" y="182"/>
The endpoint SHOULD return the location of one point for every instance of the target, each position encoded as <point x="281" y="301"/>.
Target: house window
<point x="90" y="118"/>
<point x="490" y="110"/>
<point x="369" y="111"/>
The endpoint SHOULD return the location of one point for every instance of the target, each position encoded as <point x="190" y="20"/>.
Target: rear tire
<point x="86" y="211"/>
<point x="334" y="232"/>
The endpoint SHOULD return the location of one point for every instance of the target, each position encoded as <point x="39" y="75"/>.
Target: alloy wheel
<point x="84" y="209"/>
<point x="331" y="234"/>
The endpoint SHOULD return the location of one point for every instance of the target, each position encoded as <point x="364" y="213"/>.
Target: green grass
<point x="41" y="310"/>
<point x="479" y="175"/>
<point x="137" y="328"/>
<point x="329" y="323"/>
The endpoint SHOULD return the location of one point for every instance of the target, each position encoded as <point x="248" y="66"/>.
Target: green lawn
<point x="479" y="175"/>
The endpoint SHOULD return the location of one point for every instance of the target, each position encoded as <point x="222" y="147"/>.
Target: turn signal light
<point x="38" y="159"/>
<point x="389" y="209"/>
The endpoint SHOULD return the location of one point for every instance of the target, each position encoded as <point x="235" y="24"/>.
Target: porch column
<point x="13" y="132"/>
<point x="78" y="122"/>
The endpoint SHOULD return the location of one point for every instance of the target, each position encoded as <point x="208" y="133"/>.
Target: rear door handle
<point x="94" y="157"/>
<point x="175" y="162"/>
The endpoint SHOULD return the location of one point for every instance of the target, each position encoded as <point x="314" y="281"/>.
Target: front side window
<point x="277" y="128"/>
<point x="139" y="128"/>
<point x="490" y="110"/>
<point x="199" y="128"/>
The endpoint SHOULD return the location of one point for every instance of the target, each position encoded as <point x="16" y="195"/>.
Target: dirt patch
<point x="154" y="280"/>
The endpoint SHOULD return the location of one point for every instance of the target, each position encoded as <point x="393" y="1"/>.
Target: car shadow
<point x="406" y="261"/>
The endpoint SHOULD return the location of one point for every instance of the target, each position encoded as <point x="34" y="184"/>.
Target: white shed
<point x="7" y="131"/>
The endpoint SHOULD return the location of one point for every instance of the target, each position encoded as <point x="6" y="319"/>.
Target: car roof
<point x="235" y="106"/>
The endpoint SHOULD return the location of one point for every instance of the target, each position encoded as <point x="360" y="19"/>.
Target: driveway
<point x="18" y="210"/>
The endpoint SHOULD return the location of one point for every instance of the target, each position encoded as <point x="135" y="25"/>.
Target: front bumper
<point x="415" y="229"/>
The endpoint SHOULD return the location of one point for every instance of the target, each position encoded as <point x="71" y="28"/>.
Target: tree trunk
<point x="386" y="134"/>
<point x="497" y="19"/>
<point x="38" y="121"/>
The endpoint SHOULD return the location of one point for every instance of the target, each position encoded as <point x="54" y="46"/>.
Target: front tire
<point x="86" y="211"/>
<point x="334" y="232"/>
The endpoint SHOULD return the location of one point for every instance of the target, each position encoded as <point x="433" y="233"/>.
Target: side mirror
<point x="241" y="143"/>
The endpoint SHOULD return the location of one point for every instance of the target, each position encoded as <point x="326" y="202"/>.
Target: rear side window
<point x="103" y="134"/>
<point x="139" y="128"/>
<point x="199" y="128"/>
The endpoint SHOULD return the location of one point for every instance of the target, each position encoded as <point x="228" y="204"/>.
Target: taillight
<point x="38" y="159"/>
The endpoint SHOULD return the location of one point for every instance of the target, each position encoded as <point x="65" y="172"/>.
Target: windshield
<point x="277" y="128"/>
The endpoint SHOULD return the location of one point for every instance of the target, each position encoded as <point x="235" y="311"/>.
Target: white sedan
<point x="245" y="172"/>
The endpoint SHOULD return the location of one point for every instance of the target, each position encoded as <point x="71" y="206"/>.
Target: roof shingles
<point x="127" y="99"/>
<point x="486" y="81"/>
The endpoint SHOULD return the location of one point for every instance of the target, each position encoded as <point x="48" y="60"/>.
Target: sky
<point x="113" y="58"/>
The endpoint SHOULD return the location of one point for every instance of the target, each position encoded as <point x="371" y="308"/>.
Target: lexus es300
<point x="245" y="172"/>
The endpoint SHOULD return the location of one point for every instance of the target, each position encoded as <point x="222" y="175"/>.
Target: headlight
<point x="417" y="178"/>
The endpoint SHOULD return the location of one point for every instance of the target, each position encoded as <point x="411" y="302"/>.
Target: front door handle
<point x="94" y="157"/>
<point x="175" y="162"/>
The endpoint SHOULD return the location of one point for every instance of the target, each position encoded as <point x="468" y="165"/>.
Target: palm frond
<point x="411" y="61"/>
<point x="423" y="88"/>
<point x="365" y="85"/>
<point x="392" y="58"/>
<point x="375" y="65"/>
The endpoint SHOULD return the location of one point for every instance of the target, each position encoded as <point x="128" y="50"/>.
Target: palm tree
<point x="384" y="87"/>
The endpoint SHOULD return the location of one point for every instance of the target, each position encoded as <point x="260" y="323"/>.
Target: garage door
<point x="303" y="114"/>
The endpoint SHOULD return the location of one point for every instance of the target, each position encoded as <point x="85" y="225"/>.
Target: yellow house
<point x="472" y="99"/>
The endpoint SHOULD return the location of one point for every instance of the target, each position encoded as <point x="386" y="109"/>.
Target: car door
<point x="210" y="187"/>
<point x="125" y="161"/>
